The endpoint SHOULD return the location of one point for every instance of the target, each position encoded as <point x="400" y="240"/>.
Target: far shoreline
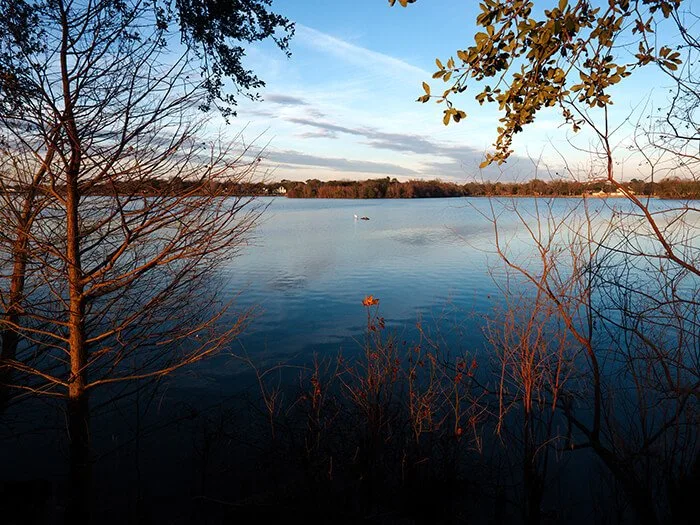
<point x="609" y="196"/>
<point x="387" y="188"/>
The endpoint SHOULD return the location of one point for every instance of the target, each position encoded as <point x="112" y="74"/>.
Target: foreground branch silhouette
<point x="621" y="288"/>
<point x="109" y="288"/>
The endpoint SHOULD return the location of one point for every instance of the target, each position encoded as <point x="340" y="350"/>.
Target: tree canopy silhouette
<point x="216" y="31"/>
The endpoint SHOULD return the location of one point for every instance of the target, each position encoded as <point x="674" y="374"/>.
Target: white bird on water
<point x="356" y="217"/>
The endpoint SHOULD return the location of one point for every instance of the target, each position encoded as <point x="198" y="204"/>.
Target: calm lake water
<point x="305" y="272"/>
<point x="430" y="260"/>
<point x="312" y="263"/>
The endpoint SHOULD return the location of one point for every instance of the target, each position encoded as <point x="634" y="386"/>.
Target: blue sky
<point x="343" y="106"/>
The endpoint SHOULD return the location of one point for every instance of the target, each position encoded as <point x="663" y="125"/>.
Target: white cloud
<point x="336" y="164"/>
<point x="355" y="54"/>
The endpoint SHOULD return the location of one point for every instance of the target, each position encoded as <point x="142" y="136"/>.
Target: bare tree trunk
<point x="78" y="404"/>
<point x="79" y="505"/>
<point x="640" y="498"/>
<point x="78" y="511"/>
<point x="533" y="484"/>
<point x="8" y="335"/>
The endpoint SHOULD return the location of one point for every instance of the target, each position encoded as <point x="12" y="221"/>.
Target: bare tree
<point x="602" y="351"/>
<point x="20" y="182"/>
<point x="628" y="302"/>
<point x="119" y="208"/>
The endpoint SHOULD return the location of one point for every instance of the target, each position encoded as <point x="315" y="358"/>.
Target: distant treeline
<point x="393" y="189"/>
<point x="386" y="188"/>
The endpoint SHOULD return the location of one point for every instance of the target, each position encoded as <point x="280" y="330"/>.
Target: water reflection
<point x="430" y="262"/>
<point x="312" y="263"/>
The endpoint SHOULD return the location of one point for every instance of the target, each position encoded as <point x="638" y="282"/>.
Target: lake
<point x="305" y="272"/>
<point x="311" y="263"/>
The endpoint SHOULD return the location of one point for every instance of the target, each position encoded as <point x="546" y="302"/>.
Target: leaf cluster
<point x="21" y="35"/>
<point x="217" y="29"/>
<point x="567" y="54"/>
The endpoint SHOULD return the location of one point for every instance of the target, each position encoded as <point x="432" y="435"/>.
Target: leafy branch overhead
<point x="567" y="54"/>
<point x="214" y="31"/>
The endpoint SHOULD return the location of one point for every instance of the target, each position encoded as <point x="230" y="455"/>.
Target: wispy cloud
<point x="324" y="126"/>
<point x="455" y="161"/>
<point x="285" y="100"/>
<point x="402" y="142"/>
<point x="355" y="54"/>
<point x="321" y="134"/>
<point x="338" y="164"/>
